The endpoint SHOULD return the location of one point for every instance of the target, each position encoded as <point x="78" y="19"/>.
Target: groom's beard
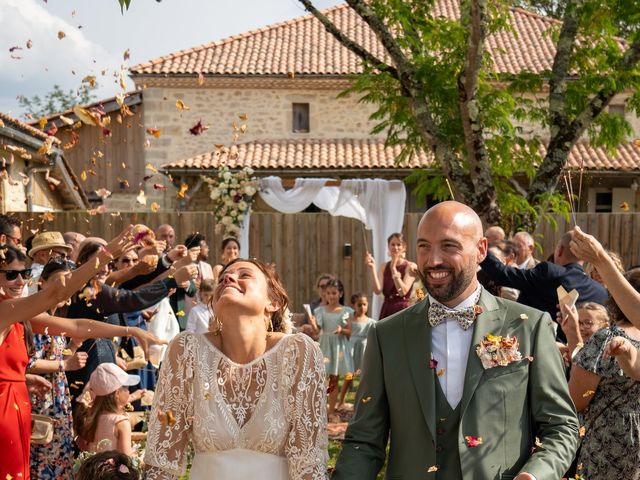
<point x="458" y="281"/>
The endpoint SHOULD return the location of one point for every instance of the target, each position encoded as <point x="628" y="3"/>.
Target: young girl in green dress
<point x="333" y="320"/>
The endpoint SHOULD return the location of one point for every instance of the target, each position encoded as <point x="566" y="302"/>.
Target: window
<point x="604" y="201"/>
<point x="300" y="120"/>
<point x="617" y="109"/>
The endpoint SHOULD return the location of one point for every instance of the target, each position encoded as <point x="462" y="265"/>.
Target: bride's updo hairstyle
<point x="275" y="290"/>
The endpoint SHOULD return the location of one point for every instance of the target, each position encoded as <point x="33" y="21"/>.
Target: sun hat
<point x="106" y="379"/>
<point x="47" y="240"/>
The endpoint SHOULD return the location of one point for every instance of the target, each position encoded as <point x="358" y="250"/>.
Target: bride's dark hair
<point x="275" y="288"/>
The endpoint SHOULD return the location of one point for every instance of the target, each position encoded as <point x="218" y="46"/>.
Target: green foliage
<point x="57" y="100"/>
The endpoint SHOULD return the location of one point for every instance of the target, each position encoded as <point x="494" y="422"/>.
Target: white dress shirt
<point x="450" y="346"/>
<point x="523" y="265"/>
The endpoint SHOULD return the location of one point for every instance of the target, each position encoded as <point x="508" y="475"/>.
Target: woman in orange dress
<point x="17" y="315"/>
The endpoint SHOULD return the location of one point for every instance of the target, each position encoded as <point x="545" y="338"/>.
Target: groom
<point x="450" y="414"/>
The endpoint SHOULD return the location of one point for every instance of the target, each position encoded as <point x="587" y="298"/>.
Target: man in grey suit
<point x="450" y="414"/>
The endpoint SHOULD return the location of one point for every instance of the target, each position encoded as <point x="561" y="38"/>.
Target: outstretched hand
<point x="122" y="243"/>
<point x="586" y="247"/>
<point x="618" y="347"/>
<point x="145" y="339"/>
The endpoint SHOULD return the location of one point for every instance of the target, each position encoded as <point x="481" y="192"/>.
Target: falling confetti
<point x="440" y="372"/>
<point x="141" y="198"/>
<point x="127" y="54"/>
<point x="181" y="105"/>
<point x="159" y="186"/>
<point x="524" y="316"/>
<point x="588" y="393"/>
<point x="155" y="132"/>
<point x="473" y="441"/>
<point x="433" y="363"/>
<point x="366" y="399"/>
<point x="29" y="43"/>
<point x="432" y="469"/>
<point x="183" y="190"/>
<point x="61" y="35"/>
<point x="154" y="208"/>
<point x="198" y="128"/>
<point x="624" y="206"/>
<point x="582" y="431"/>
<point x="200" y="79"/>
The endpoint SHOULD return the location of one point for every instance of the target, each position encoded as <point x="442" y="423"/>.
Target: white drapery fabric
<point x="295" y="200"/>
<point x="377" y="203"/>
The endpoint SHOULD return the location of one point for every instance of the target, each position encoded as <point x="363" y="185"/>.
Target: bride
<point x="250" y="398"/>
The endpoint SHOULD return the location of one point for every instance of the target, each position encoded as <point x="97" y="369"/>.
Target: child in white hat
<point x="100" y="419"/>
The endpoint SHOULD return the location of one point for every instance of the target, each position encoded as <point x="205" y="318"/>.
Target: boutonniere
<point x="495" y="350"/>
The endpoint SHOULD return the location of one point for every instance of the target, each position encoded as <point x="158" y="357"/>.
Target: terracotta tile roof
<point x="307" y="154"/>
<point x="367" y="154"/>
<point x="28" y="129"/>
<point x="303" y="46"/>
<point x="626" y="157"/>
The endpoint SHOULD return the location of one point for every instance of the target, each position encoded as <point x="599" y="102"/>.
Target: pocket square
<point x="498" y="351"/>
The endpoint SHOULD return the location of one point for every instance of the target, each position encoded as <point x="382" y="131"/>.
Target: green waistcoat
<point x="447" y="426"/>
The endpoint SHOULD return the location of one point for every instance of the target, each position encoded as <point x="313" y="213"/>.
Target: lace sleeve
<point x="306" y="446"/>
<point x="172" y="413"/>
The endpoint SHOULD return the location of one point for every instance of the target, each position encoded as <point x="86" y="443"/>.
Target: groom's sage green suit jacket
<point x="507" y="406"/>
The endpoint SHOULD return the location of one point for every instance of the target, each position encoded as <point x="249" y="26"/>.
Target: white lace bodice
<point x="275" y="405"/>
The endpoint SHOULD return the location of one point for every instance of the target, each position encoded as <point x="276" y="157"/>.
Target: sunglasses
<point x="13" y="274"/>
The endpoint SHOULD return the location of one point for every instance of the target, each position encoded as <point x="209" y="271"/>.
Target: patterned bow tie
<point x="438" y="314"/>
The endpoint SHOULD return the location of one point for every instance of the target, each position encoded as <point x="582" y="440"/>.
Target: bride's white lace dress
<point x="265" y="419"/>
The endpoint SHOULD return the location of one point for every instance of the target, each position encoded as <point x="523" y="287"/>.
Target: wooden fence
<point x="304" y="245"/>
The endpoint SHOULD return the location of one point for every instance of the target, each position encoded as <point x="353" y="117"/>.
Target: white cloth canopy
<point x="377" y="203"/>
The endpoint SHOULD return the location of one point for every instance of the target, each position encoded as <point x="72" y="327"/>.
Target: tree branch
<point x="558" y="120"/>
<point x="383" y="34"/>
<point x="477" y="156"/>
<point x="561" y="143"/>
<point x="356" y="48"/>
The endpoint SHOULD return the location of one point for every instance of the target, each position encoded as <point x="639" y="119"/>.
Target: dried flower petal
<point x="61" y="35"/>
<point x="198" y="128"/>
<point x="181" y="105"/>
<point x="624" y="206"/>
<point x="473" y="441"/>
<point x="366" y="399"/>
<point x="141" y="198"/>
<point x="154" y="208"/>
<point x="433" y="363"/>
<point x="155" y="132"/>
<point x="433" y="468"/>
<point x="582" y="431"/>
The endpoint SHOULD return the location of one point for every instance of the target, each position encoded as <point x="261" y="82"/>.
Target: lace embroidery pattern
<point x="241" y="387"/>
<point x="274" y="405"/>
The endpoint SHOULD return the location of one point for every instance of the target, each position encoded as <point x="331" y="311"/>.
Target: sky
<point x="96" y="35"/>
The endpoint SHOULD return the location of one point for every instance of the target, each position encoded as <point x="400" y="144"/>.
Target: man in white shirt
<point x="525" y="248"/>
<point x="466" y="383"/>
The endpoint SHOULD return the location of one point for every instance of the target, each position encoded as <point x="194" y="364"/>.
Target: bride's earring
<point x="217" y="325"/>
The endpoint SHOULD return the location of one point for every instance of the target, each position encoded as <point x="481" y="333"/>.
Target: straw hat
<point x="47" y="240"/>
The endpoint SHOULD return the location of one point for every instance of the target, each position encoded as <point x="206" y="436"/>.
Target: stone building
<point x="34" y="173"/>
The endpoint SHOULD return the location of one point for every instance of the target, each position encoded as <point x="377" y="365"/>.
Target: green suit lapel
<point x="489" y="321"/>
<point x="417" y="332"/>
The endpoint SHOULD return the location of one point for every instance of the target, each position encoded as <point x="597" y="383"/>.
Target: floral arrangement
<point x="231" y="194"/>
<point x="495" y="350"/>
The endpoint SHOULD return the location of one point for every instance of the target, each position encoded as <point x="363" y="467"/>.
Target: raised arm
<point x="21" y="309"/>
<point x="404" y="283"/>
<point x="82" y="328"/>
<point x="371" y="263"/>
<point x="587" y="247"/>
<point x="511" y="276"/>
